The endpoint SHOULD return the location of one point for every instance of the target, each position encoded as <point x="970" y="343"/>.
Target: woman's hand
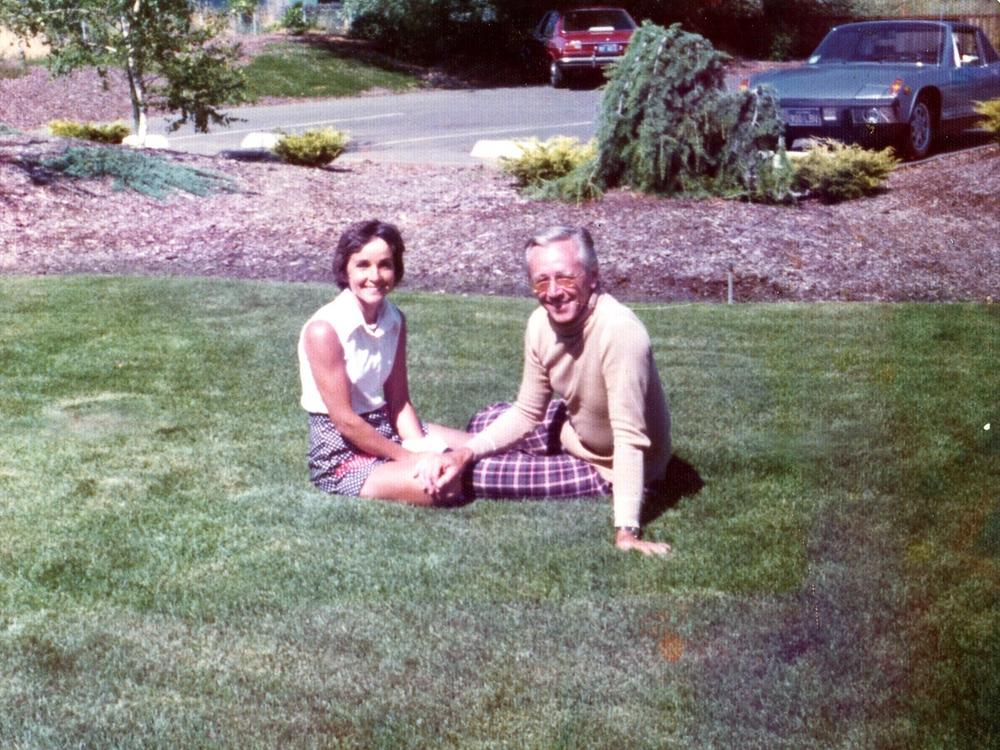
<point x="432" y="471"/>
<point x="427" y="470"/>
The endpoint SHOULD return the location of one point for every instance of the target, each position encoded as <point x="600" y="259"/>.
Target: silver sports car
<point x="896" y="82"/>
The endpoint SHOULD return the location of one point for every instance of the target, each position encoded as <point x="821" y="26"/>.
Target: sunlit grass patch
<point x="169" y="578"/>
<point x="303" y="70"/>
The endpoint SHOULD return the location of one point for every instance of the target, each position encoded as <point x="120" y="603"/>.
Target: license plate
<point x="608" y="49"/>
<point x="802" y="116"/>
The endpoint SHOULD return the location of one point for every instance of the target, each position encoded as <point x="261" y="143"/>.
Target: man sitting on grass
<point x="609" y="433"/>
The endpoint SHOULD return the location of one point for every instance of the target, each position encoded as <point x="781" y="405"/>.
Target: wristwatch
<point x="635" y="531"/>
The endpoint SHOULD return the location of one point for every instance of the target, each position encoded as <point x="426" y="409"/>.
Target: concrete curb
<point x="494" y="150"/>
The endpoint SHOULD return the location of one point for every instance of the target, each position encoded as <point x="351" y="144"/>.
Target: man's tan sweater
<point x="618" y="419"/>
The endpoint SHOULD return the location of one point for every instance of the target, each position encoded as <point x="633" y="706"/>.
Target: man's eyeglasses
<point x="565" y="283"/>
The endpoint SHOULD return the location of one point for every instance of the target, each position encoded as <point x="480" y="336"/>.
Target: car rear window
<point x="989" y="53"/>
<point x="584" y="20"/>
<point x="881" y="43"/>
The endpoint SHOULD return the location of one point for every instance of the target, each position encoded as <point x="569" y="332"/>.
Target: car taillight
<point x="896" y="86"/>
<point x="744" y="84"/>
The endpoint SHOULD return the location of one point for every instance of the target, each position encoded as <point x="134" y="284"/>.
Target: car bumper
<point x="864" y="123"/>
<point x="864" y="134"/>
<point x="593" y="61"/>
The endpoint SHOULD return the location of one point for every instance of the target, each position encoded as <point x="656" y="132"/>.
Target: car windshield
<point x="584" y="20"/>
<point x="897" y="42"/>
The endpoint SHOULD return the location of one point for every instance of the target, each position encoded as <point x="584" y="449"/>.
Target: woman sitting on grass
<point x="365" y="438"/>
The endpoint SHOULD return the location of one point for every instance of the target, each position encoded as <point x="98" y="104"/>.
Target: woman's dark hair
<point x="356" y="236"/>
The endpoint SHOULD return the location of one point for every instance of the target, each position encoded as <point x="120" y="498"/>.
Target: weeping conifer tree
<point x="668" y="126"/>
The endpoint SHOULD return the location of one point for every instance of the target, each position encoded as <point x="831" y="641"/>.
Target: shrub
<point x="313" y="148"/>
<point x="244" y="14"/>
<point x="150" y="175"/>
<point x="781" y="46"/>
<point x="433" y="31"/>
<point x="294" y="19"/>
<point x="548" y="160"/>
<point x="990" y="110"/>
<point x="835" y="172"/>
<point x="667" y="126"/>
<point x="12" y="70"/>
<point x="244" y="8"/>
<point x="89" y="131"/>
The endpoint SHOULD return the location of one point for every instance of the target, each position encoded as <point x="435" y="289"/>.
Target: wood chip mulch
<point x="933" y="235"/>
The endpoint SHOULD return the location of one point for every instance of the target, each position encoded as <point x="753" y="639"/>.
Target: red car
<point x="585" y="39"/>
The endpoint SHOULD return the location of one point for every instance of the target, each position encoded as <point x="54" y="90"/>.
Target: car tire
<point x="921" y="131"/>
<point x="557" y="76"/>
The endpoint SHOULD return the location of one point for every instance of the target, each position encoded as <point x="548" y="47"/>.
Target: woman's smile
<point x="371" y="275"/>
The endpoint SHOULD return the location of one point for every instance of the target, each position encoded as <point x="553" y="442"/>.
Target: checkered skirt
<point x="336" y="465"/>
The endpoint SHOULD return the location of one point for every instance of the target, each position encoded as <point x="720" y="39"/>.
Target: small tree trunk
<point x="136" y="82"/>
<point x="137" y="91"/>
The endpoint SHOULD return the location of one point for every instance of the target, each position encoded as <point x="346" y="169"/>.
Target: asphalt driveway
<point x="439" y="126"/>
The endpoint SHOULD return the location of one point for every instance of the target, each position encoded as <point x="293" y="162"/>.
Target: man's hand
<point x="451" y="466"/>
<point x="440" y="474"/>
<point x="427" y="470"/>
<point x="627" y="540"/>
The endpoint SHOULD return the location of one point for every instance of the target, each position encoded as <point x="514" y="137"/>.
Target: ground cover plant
<point x="144" y="173"/>
<point x="169" y="578"/>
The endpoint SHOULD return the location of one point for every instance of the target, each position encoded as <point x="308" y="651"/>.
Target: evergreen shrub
<point x="150" y="175"/>
<point x="990" y="110"/>
<point x="294" y="19"/>
<point x="668" y="126"/>
<point x="541" y="161"/>
<point x="313" y="148"/>
<point x="434" y="31"/>
<point x="834" y="172"/>
<point x="89" y="131"/>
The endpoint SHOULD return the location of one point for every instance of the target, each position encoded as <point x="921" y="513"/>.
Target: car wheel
<point x="920" y="133"/>
<point x="557" y="76"/>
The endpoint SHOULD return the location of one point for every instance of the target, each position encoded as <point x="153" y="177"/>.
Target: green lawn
<point x="169" y="578"/>
<point x="298" y="69"/>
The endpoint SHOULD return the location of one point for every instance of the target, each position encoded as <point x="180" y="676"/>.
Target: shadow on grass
<point x="453" y="72"/>
<point x="354" y="49"/>
<point x="681" y="479"/>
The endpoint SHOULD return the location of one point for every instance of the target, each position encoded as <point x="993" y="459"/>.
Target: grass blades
<point x="168" y="577"/>
<point x="304" y="70"/>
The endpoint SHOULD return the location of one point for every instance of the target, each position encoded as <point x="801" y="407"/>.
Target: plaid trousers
<point x="536" y="467"/>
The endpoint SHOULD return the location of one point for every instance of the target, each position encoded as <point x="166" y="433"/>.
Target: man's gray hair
<point x="580" y="237"/>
